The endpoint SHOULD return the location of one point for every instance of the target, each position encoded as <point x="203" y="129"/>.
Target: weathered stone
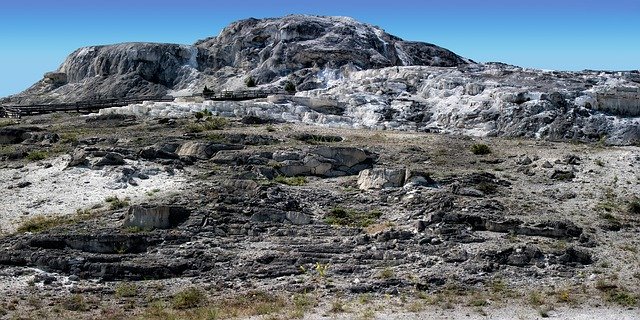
<point x="562" y="175"/>
<point x="195" y="149"/>
<point x="155" y="217"/>
<point x="78" y="158"/>
<point x="110" y="159"/>
<point x="380" y="178"/>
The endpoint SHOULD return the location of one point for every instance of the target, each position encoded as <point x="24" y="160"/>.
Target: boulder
<point x="195" y="149"/>
<point x="78" y="158"/>
<point x="155" y="217"/>
<point x="110" y="159"/>
<point x="380" y="178"/>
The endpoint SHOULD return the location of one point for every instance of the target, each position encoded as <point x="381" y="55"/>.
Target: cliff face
<point x="298" y="47"/>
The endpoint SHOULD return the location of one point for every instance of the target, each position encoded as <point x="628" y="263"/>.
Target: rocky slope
<point x="304" y="221"/>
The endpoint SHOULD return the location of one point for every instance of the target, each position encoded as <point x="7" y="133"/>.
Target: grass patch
<point x="251" y="304"/>
<point x="41" y="223"/>
<point x="37" y="155"/>
<point x="6" y="123"/>
<point x="480" y="149"/>
<point x="291" y="181"/>
<point x="210" y="123"/>
<point x="69" y="137"/>
<point x="188" y="298"/>
<point x="351" y="218"/>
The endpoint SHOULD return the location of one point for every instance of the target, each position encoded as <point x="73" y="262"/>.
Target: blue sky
<point x="37" y="35"/>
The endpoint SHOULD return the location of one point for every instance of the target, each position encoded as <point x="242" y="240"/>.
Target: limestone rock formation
<point x="299" y="47"/>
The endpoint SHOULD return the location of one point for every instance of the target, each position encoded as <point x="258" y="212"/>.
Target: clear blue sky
<point x="37" y="35"/>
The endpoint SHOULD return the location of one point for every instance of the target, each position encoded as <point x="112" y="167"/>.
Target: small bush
<point x="291" y="181"/>
<point x="216" y="123"/>
<point x="199" y="115"/>
<point x="351" y="218"/>
<point x="116" y="203"/>
<point x="250" y="82"/>
<point x="126" y="290"/>
<point x="188" y="298"/>
<point x="290" y="87"/>
<point x="194" y="128"/>
<point x="37" y="155"/>
<point x="75" y="302"/>
<point x="480" y="149"/>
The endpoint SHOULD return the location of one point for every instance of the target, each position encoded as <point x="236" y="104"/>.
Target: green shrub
<point x="199" y="115"/>
<point x="188" y="298"/>
<point x="250" y="82"/>
<point x="480" y="149"/>
<point x="215" y="123"/>
<point x="116" y="203"/>
<point x="126" y="290"/>
<point x="351" y="218"/>
<point x="37" y="155"/>
<point x="289" y="87"/>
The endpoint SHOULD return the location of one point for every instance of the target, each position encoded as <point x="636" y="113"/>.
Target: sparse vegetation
<point x="75" y="302"/>
<point x="387" y="273"/>
<point x="42" y="223"/>
<point x="188" y="298"/>
<point x="208" y="124"/>
<point x="291" y="181"/>
<point x="337" y="306"/>
<point x="352" y="218"/>
<point x="480" y="149"/>
<point x="37" y="155"/>
<point x="116" y="203"/>
<point x="321" y="269"/>
<point x="126" y="290"/>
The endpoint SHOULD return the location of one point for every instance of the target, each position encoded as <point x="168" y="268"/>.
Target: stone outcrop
<point x="155" y="217"/>
<point x="325" y="162"/>
<point x="380" y="178"/>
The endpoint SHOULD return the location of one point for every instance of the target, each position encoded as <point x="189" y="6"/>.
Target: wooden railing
<point x="17" y="111"/>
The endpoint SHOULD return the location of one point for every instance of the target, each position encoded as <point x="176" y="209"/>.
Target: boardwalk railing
<point x="17" y="111"/>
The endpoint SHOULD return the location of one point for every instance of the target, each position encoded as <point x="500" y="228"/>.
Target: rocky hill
<point x="341" y="201"/>
<point x="296" y="47"/>
<point x="371" y="79"/>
